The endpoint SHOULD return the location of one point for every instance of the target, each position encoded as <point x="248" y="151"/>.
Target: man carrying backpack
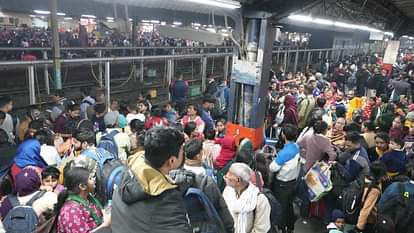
<point x="397" y="202"/>
<point x="113" y="139"/>
<point x="286" y="168"/>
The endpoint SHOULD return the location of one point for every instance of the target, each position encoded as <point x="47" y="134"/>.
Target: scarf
<point x="245" y="204"/>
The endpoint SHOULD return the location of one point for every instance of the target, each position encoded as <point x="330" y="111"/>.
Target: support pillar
<point x="170" y="74"/>
<point x="203" y="73"/>
<point x="295" y="65"/>
<point x="127" y="24"/>
<point x="308" y="60"/>
<point x="226" y="66"/>
<point x="46" y="74"/>
<point x="141" y="67"/>
<point x="285" y="57"/>
<point x="100" y="75"/>
<point x="55" y="45"/>
<point x="108" y="83"/>
<point x="32" y="93"/>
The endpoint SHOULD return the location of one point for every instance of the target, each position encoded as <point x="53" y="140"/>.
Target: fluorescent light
<point x="32" y="16"/>
<point x="110" y="18"/>
<point x="404" y="36"/>
<point x="155" y="21"/>
<point x="323" y="21"/>
<point x="303" y="18"/>
<point x="224" y="30"/>
<point x="411" y="38"/>
<point x="110" y="21"/>
<point x="210" y="26"/>
<point x="163" y="23"/>
<point x="345" y="25"/>
<point x="67" y="18"/>
<point x="196" y="24"/>
<point x="177" y="23"/>
<point x="219" y="3"/>
<point x="41" y="12"/>
<point x="88" y="16"/>
<point x="145" y="21"/>
<point x="130" y="20"/>
<point x="61" y="14"/>
<point x="211" y="30"/>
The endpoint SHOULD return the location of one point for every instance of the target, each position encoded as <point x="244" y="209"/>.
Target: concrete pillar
<point x="32" y="93"/>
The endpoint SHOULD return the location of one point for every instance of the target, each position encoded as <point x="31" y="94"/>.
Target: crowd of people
<point x="133" y="166"/>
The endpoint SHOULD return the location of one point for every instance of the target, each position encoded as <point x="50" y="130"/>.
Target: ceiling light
<point x="155" y="21"/>
<point x="89" y="16"/>
<point x="67" y="18"/>
<point x="411" y="38"/>
<point x="323" y="21"/>
<point x="404" y="36"/>
<point x="163" y="23"/>
<point x="303" y="18"/>
<point x="32" y="16"/>
<point x="110" y="18"/>
<point x="224" y="30"/>
<point x="41" y="12"/>
<point x="130" y="20"/>
<point x="177" y="23"/>
<point x="219" y="3"/>
<point x="61" y="14"/>
<point x="196" y="24"/>
<point x="211" y="30"/>
<point x="145" y="21"/>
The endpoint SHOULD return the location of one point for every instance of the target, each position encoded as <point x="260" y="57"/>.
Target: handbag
<point x="318" y="181"/>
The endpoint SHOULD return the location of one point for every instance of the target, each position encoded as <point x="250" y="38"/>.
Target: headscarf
<point x="291" y="112"/>
<point x="27" y="182"/>
<point x="28" y="154"/>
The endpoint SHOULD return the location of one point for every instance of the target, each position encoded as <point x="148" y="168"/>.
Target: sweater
<point x="314" y="148"/>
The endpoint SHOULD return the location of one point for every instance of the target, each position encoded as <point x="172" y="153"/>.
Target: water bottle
<point x="108" y="207"/>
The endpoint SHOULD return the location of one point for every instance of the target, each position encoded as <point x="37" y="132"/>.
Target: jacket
<point x="368" y="213"/>
<point x="186" y="178"/>
<point x="228" y="151"/>
<point x="304" y="110"/>
<point x="28" y="154"/>
<point x="314" y="148"/>
<point x="147" y="201"/>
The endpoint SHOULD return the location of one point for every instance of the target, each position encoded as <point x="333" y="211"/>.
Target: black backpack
<point x="400" y="209"/>
<point x="21" y="218"/>
<point x="353" y="200"/>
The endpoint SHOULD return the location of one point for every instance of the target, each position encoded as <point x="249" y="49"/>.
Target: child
<point x="395" y="159"/>
<point x="50" y="176"/>
<point x="221" y="128"/>
<point x="169" y="113"/>
<point x="338" y="222"/>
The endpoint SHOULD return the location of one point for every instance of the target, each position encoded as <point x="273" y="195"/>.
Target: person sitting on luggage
<point x="395" y="159"/>
<point x="250" y="209"/>
<point x="78" y="210"/>
<point x="338" y="222"/>
<point x="371" y="195"/>
<point x="193" y="152"/>
<point x="286" y="168"/>
<point x="27" y="188"/>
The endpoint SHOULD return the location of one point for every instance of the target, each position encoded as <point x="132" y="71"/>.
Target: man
<point x="148" y="200"/>
<point x="355" y="158"/>
<point x="222" y="97"/>
<point x="9" y="124"/>
<point x="205" y="112"/>
<point x="59" y="104"/>
<point x="375" y="84"/>
<point x="362" y="77"/>
<point x="306" y="106"/>
<point x="211" y="86"/>
<point x="121" y="139"/>
<point x="86" y="102"/>
<point x="286" y="168"/>
<point x="401" y="87"/>
<point x="197" y="174"/>
<point x="178" y="91"/>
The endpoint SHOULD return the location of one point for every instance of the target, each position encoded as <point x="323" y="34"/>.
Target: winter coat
<point x="148" y="201"/>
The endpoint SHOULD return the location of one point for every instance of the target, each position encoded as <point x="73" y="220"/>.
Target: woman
<point x="337" y="133"/>
<point x="315" y="147"/>
<point x="78" y="211"/>
<point x="249" y="208"/>
<point x="396" y="130"/>
<point x="291" y="112"/>
<point x="372" y="192"/>
<point x="193" y="116"/>
<point x="27" y="192"/>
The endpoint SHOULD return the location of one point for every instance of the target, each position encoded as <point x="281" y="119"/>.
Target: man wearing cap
<point x="121" y="139"/>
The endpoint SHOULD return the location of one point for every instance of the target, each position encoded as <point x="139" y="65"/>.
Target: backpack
<point x="276" y="214"/>
<point x="21" y="218"/>
<point x="109" y="173"/>
<point x="202" y="214"/>
<point x="108" y="142"/>
<point x="353" y="199"/>
<point x="400" y="209"/>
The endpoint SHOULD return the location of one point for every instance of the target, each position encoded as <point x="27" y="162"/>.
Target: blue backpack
<point x="21" y="218"/>
<point x="109" y="173"/>
<point x="202" y="214"/>
<point x="108" y="143"/>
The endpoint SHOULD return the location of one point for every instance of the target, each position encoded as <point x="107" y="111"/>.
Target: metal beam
<point x="32" y="93"/>
<point x="108" y="83"/>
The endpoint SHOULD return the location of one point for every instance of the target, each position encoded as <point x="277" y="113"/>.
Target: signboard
<point x="391" y="52"/>
<point x="376" y="36"/>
